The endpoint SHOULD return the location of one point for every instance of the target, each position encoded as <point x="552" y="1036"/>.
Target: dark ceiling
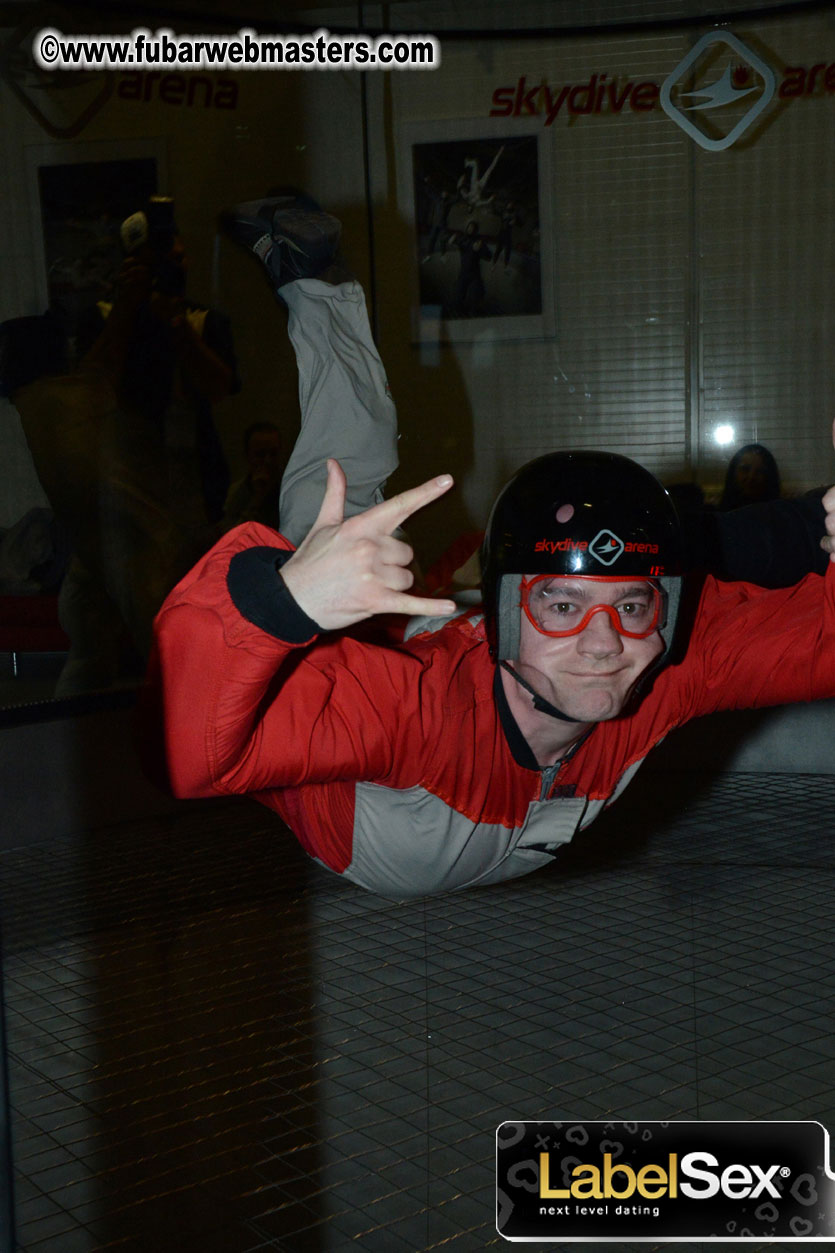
<point x="491" y="18"/>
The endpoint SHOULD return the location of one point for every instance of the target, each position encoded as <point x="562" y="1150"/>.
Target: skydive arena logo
<point x="606" y="547"/>
<point x="715" y="94"/>
<point x="661" y="1181"/>
<point x="718" y="90"/>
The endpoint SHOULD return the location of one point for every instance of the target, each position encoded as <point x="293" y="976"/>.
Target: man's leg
<point x="346" y="408"/>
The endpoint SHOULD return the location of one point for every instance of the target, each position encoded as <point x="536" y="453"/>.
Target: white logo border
<point x="763" y="69"/>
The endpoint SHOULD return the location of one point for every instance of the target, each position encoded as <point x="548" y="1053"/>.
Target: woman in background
<point x="752" y="477"/>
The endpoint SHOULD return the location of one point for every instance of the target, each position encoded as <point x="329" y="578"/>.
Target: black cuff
<point x="262" y="597"/>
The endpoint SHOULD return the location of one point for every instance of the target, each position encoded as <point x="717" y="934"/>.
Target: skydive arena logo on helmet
<point x="560" y="546"/>
<point x="606" y="547"/>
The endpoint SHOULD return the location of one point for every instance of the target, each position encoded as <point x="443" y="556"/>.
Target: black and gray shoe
<point x="291" y="235"/>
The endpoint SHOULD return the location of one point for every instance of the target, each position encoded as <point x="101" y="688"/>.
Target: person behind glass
<point x="168" y="359"/>
<point x="150" y="365"/>
<point x="752" y="476"/>
<point x="255" y="497"/>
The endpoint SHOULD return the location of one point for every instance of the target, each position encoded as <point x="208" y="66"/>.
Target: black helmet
<point x="591" y="513"/>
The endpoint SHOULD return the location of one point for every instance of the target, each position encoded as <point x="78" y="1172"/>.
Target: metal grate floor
<point x="216" y="1046"/>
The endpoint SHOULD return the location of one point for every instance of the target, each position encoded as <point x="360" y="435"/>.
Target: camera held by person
<point x="151" y="237"/>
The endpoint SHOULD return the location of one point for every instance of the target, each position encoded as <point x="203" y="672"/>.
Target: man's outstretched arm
<point x="235" y="717"/>
<point x="750" y="648"/>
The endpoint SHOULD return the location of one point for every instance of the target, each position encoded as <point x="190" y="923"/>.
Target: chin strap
<point x="542" y="705"/>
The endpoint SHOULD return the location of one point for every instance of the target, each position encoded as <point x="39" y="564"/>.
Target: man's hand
<point x="346" y="571"/>
<point x="828" y="541"/>
<point x="828" y="502"/>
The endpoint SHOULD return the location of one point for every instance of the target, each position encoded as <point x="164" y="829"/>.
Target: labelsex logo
<point x="660" y="1181"/>
<point x="706" y="82"/>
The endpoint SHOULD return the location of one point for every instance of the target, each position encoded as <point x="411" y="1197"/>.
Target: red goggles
<point x="559" y="605"/>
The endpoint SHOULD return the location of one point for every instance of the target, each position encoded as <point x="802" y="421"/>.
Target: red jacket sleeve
<point x="243" y="710"/>
<point x="751" y="648"/>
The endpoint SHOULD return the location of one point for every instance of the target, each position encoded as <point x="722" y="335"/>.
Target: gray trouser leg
<point x="346" y="409"/>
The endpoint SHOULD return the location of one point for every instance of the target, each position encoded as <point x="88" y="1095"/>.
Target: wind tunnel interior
<point x="212" y="1044"/>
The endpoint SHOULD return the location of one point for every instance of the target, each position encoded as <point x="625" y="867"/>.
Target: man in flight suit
<point x="468" y="751"/>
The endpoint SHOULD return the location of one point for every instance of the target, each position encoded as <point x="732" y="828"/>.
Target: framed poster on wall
<point x="478" y="197"/>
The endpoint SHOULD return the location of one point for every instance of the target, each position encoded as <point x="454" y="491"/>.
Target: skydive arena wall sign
<point x="674" y="1181"/>
<point x="718" y="71"/>
<point x="715" y="93"/>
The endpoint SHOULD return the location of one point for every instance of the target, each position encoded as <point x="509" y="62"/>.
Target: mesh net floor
<point x="215" y="1045"/>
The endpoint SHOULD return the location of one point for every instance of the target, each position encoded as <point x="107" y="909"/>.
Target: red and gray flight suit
<point x="399" y="765"/>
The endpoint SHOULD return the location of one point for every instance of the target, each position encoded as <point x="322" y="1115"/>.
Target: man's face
<point x="587" y="676"/>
